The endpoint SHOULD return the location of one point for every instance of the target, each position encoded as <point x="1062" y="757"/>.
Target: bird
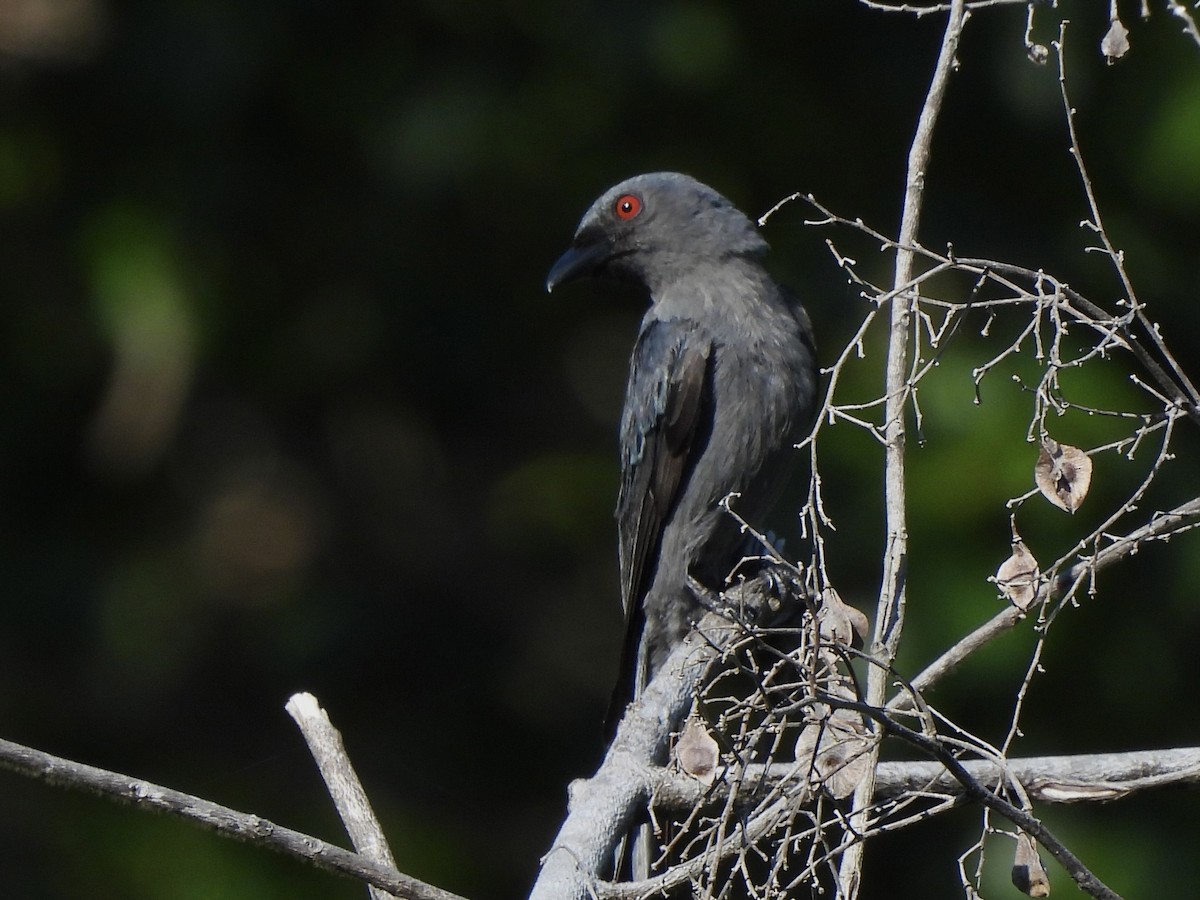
<point x="722" y="384"/>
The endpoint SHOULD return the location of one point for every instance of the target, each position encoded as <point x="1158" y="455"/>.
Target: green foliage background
<point x="286" y="406"/>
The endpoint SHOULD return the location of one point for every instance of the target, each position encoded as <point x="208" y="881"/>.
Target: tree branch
<point x="325" y="743"/>
<point x="224" y="821"/>
<point x="889" y="619"/>
<point x="1052" y="779"/>
<point x="601" y="809"/>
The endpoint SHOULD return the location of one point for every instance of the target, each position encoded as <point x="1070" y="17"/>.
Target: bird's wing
<point x="664" y="403"/>
<point x="666" y="406"/>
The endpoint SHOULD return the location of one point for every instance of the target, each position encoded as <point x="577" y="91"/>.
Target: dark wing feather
<point x="665" y="402"/>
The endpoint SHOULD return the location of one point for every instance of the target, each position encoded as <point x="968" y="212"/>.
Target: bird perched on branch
<point x="722" y="383"/>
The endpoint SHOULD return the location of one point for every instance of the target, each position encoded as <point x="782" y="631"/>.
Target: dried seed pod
<point x="1115" y="43"/>
<point x="838" y="621"/>
<point x="1063" y="474"/>
<point x="1017" y="577"/>
<point x="698" y="753"/>
<point x="1028" y="874"/>
<point x="835" y="748"/>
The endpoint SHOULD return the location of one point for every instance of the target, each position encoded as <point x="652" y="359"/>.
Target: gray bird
<point x="722" y="383"/>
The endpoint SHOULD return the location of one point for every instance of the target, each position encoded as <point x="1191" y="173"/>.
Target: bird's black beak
<point x="581" y="260"/>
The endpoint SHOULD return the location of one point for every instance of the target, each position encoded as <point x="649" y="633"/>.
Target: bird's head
<point x="652" y="228"/>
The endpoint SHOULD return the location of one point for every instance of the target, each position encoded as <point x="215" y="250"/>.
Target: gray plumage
<point x="722" y="383"/>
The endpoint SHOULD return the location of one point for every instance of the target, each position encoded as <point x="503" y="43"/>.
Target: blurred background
<point x="286" y="406"/>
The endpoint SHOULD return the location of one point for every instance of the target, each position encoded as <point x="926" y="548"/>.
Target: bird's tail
<point x="631" y="682"/>
<point x="633" y="673"/>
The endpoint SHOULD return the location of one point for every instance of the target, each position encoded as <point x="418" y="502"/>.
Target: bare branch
<point x="224" y="821"/>
<point x="1078" y="778"/>
<point x="921" y="10"/>
<point x="325" y="743"/>
<point x="602" y="808"/>
<point x="889" y="619"/>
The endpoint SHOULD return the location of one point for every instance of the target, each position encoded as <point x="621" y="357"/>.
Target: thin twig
<point x="1160" y="526"/>
<point x="1083" y="877"/>
<point x="1097" y="224"/>
<point x="1178" y="9"/>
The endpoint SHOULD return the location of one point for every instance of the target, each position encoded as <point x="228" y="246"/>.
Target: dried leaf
<point x="839" y="622"/>
<point x="1017" y="577"/>
<point x="835" y="749"/>
<point x="697" y="752"/>
<point x="1063" y="474"/>
<point x="1028" y="873"/>
<point x="1116" y="42"/>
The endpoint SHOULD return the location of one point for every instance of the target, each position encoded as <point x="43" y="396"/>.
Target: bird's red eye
<point x="628" y="206"/>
